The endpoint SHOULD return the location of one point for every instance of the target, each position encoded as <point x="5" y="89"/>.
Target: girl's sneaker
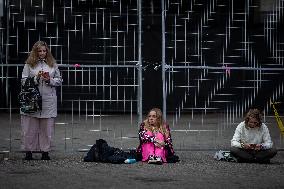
<point x="159" y="160"/>
<point x="155" y="160"/>
<point x="152" y="159"/>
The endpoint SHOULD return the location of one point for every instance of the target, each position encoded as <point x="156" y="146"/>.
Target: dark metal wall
<point x="224" y="55"/>
<point x="95" y="44"/>
<point x="219" y="55"/>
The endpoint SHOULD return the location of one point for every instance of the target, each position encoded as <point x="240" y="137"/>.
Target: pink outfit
<point x="149" y="148"/>
<point x="36" y="133"/>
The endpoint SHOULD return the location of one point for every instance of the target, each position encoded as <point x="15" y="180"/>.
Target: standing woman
<point x="37" y="128"/>
<point x="155" y="138"/>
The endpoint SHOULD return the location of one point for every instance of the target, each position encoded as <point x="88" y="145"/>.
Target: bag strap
<point x="29" y="82"/>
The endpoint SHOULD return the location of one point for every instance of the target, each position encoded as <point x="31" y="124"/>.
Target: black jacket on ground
<point x="102" y="152"/>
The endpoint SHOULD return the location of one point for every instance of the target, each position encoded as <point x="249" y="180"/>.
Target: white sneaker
<point x="152" y="160"/>
<point x="159" y="160"/>
<point x="155" y="160"/>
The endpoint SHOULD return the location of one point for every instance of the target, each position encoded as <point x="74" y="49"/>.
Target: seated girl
<point x="155" y="139"/>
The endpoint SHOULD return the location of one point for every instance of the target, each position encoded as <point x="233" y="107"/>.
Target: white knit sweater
<point x="259" y="135"/>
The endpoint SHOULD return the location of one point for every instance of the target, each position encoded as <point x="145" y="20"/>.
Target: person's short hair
<point x="254" y="113"/>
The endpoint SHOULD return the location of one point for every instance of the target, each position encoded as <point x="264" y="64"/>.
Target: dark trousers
<point x="245" y="155"/>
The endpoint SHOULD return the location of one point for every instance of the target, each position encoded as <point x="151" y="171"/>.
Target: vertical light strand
<point x="185" y="41"/>
<point x="103" y="85"/>
<point x="163" y="61"/>
<point x="139" y="96"/>
<point x="82" y="29"/>
<point x="117" y="89"/>
<point x="7" y="51"/>
<point x="89" y="79"/>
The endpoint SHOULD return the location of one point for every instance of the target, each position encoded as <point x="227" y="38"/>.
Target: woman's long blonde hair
<point x="160" y="122"/>
<point x="33" y="56"/>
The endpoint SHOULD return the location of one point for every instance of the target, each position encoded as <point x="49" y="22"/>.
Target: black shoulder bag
<point x="29" y="98"/>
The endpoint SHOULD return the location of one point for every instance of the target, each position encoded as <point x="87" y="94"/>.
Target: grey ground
<point x="196" y="139"/>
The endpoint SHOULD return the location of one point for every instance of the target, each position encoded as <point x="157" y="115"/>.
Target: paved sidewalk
<point x="195" y="142"/>
<point x="197" y="169"/>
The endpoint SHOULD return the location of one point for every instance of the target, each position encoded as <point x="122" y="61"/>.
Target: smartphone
<point x="45" y="74"/>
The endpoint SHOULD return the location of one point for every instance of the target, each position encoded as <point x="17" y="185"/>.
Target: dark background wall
<point x="202" y="38"/>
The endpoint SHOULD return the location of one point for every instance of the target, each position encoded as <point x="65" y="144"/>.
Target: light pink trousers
<point x="36" y="133"/>
<point x="151" y="149"/>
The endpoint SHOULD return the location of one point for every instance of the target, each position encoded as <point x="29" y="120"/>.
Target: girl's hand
<point x="159" y="143"/>
<point x="39" y="74"/>
<point x="167" y="134"/>
<point x="46" y="77"/>
<point x="246" y="146"/>
<point x="257" y="147"/>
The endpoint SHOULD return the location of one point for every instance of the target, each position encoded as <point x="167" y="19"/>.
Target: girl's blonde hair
<point x="33" y="56"/>
<point x="160" y="122"/>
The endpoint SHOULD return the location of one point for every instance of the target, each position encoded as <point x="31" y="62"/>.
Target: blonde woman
<point x="37" y="128"/>
<point x="155" y="138"/>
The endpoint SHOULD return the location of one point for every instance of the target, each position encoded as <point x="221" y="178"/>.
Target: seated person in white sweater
<point x="251" y="141"/>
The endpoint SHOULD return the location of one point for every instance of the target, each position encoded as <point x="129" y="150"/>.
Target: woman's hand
<point x="46" y="77"/>
<point x="167" y="134"/>
<point x="257" y="147"/>
<point x="251" y="146"/>
<point x="246" y="146"/>
<point x="39" y="74"/>
<point x="159" y="143"/>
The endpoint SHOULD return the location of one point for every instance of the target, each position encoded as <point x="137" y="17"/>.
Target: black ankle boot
<point x="29" y="156"/>
<point x="45" y="156"/>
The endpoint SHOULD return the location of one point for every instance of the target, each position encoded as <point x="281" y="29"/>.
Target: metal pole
<point x="139" y="95"/>
<point x="163" y="61"/>
<point x="7" y="50"/>
<point x="7" y="73"/>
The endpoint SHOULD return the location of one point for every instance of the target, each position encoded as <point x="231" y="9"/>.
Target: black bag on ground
<point x="29" y="98"/>
<point x="102" y="152"/>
